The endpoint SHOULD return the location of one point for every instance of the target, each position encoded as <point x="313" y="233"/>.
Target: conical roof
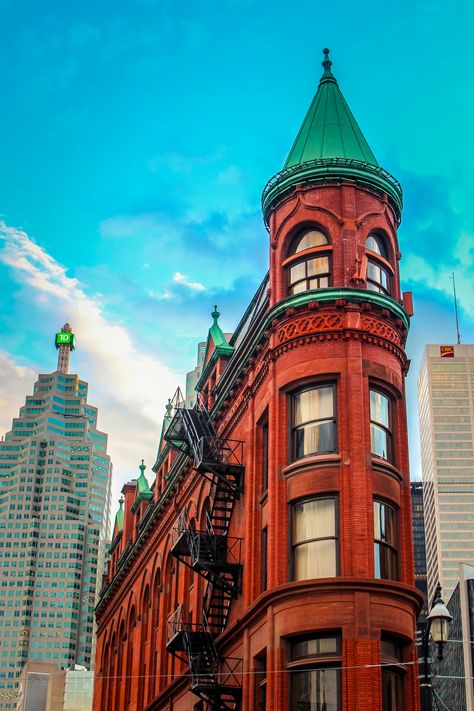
<point x="142" y="482"/>
<point x="329" y="129"/>
<point x="330" y="147"/>
<point x="118" y="527"/>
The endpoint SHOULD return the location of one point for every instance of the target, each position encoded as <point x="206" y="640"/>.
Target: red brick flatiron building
<point x="270" y="564"/>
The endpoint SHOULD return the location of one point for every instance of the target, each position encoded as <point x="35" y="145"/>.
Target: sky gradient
<point x="135" y="140"/>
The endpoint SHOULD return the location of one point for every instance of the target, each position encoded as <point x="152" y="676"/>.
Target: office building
<point x="454" y="676"/>
<point x="193" y="376"/>
<point x="446" y="409"/>
<point x="44" y="687"/>
<point x="55" y="477"/>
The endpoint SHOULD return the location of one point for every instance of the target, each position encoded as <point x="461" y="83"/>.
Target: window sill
<point x="386" y="467"/>
<point x="320" y="460"/>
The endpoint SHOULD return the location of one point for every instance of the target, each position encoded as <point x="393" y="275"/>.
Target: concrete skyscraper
<point x="446" y="406"/>
<point x="55" y="479"/>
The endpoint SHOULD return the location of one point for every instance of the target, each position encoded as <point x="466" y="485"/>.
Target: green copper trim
<point x="322" y="296"/>
<point x="327" y="170"/>
<point x="357" y="296"/>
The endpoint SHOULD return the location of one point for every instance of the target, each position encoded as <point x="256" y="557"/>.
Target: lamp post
<point x="437" y="627"/>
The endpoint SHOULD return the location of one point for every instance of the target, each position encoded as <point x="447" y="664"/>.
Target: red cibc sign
<point x="446" y="351"/>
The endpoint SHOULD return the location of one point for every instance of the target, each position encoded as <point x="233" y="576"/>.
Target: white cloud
<point x="16" y="382"/>
<point x="438" y="276"/>
<point x="179" y="278"/>
<point x="129" y="385"/>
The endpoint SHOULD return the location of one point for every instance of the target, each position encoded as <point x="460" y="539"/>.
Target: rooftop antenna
<point x="65" y="342"/>
<point x="456" y="309"/>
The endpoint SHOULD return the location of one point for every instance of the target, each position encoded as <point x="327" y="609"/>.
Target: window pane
<point x="377" y="274"/>
<point x="385" y="523"/>
<point x="379" y="408"/>
<point x="379" y="441"/>
<point x="318" y="266"/>
<point x="372" y="286"/>
<point x="311" y="238"/>
<point x="314" y="438"/>
<point x="386" y="563"/>
<point x="390" y="650"/>
<point x="298" y="288"/>
<point x="392" y="697"/>
<point x="297" y="272"/>
<point x="314" y="519"/>
<point x="319" y="283"/>
<point x="318" y="646"/>
<point x="375" y="244"/>
<point x="315" y="560"/>
<point x="315" y="690"/>
<point x="316" y="404"/>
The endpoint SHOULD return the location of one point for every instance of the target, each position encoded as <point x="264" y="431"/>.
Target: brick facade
<point x="345" y="335"/>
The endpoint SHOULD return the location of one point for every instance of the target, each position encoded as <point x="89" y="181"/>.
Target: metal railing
<point x="181" y="526"/>
<point x="217" y="450"/>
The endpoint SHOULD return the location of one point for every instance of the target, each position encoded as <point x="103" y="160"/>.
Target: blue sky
<point x="135" y="140"/>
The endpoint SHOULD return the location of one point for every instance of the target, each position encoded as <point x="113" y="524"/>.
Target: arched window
<point x="128" y="665"/>
<point x="308" y="263"/>
<point x="378" y="275"/>
<point x="153" y="686"/>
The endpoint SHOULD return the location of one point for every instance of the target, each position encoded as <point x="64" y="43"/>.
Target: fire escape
<point x="211" y="553"/>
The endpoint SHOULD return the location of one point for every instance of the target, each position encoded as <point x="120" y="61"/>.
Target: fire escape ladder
<point x="213" y="554"/>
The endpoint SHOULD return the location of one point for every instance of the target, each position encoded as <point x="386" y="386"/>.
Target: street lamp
<point x="437" y="630"/>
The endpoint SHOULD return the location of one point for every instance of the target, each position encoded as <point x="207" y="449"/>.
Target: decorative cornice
<point x="318" y="297"/>
<point x="330" y="170"/>
<point x="409" y="595"/>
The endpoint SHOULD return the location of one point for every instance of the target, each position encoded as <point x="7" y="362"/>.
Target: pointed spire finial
<point x="169" y="408"/>
<point x="327" y="64"/>
<point x="121" y="501"/>
<point x="215" y="314"/>
<point x="142" y="467"/>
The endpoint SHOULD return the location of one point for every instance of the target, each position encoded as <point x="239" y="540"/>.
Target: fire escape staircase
<point x="211" y="553"/>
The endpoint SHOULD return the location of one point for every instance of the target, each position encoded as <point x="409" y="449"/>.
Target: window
<point x="261" y="682"/>
<point x="385" y="541"/>
<point x="312" y="269"/>
<point x="315" y="682"/>
<point x="378" y="275"/>
<point x="392" y="676"/>
<point x="314" y="539"/>
<point x="380" y="425"/>
<point x="263" y="442"/>
<point x="263" y="559"/>
<point x="313" y="421"/>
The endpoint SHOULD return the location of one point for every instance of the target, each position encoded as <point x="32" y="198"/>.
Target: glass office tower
<point x="446" y="408"/>
<point x="55" y="477"/>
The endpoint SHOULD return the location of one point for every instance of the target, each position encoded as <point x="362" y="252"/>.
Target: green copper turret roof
<point x="330" y="147"/>
<point x="217" y="334"/>
<point x="329" y="129"/>
<point x="119" y="517"/>
<point x="142" y="490"/>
